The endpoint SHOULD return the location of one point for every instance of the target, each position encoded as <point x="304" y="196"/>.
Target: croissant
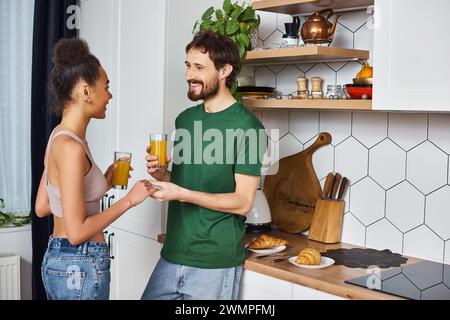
<point x="265" y="241"/>
<point x="309" y="257"/>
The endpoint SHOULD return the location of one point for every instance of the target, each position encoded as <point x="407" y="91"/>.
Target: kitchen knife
<point x="272" y="255"/>
<point x="336" y="182"/>
<point x="327" y="186"/>
<point x="343" y="188"/>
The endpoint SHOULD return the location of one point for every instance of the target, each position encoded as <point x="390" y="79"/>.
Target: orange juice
<point x="120" y="174"/>
<point x="159" y="148"/>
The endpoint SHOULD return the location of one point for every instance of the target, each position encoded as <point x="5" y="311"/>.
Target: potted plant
<point x="9" y="220"/>
<point x="236" y="21"/>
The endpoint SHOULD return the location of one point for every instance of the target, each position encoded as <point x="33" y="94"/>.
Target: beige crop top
<point x="94" y="182"/>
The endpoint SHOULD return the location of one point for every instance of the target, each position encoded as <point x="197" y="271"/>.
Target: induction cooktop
<point x="419" y="281"/>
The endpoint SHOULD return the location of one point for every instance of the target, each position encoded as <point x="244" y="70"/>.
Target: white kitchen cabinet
<point x="304" y="293"/>
<point x="133" y="259"/>
<point x="129" y="39"/>
<point x="411" y="55"/>
<point x="257" y="286"/>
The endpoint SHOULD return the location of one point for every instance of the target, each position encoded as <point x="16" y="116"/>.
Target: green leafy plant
<point x="9" y="220"/>
<point x="234" y="20"/>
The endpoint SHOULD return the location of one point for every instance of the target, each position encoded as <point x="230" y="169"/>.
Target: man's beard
<point x="206" y="92"/>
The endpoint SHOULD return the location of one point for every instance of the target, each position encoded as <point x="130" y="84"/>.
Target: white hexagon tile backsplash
<point x="398" y="163"/>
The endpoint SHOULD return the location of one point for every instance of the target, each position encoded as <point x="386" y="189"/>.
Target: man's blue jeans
<point x="177" y="282"/>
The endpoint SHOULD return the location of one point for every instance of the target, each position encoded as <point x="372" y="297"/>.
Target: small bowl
<point x="362" y="80"/>
<point x="359" y="92"/>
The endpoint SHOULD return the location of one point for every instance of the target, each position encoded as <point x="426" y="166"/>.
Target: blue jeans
<point x="177" y="282"/>
<point x="76" y="272"/>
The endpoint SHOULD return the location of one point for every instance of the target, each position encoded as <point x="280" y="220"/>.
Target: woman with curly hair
<point x="76" y="264"/>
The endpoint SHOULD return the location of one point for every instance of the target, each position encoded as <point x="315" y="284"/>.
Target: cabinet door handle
<point x="109" y="201"/>
<point x="110" y="246"/>
<point x="103" y="205"/>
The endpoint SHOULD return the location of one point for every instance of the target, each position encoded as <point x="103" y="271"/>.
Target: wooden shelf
<point x="293" y="7"/>
<point x="308" y="104"/>
<point x="303" y="54"/>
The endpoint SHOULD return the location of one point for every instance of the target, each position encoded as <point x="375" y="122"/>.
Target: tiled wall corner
<point x="398" y="163"/>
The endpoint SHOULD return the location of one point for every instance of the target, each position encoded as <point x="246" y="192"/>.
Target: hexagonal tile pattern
<point x="439" y="290"/>
<point x="408" y="129"/>
<point x="323" y="158"/>
<point x="438" y="212"/>
<point x="343" y="38"/>
<point x="369" y="128"/>
<point x="286" y="80"/>
<point x="337" y="123"/>
<point x="439" y="131"/>
<point x="424" y="243"/>
<point x="264" y="77"/>
<point x="387" y="163"/>
<point x="367" y="201"/>
<point x="268" y="24"/>
<point x="363" y="40"/>
<point x="391" y="237"/>
<point x="360" y="148"/>
<point x="447" y="253"/>
<point x="289" y="145"/>
<point x="304" y="124"/>
<point x="405" y="206"/>
<point x="347" y="73"/>
<point x="323" y="161"/>
<point x="274" y="39"/>
<point x="351" y="160"/>
<point x="327" y="74"/>
<point x="354" y="20"/>
<point x="305" y="67"/>
<point x="276" y="119"/>
<point x="353" y="231"/>
<point x="427" y="167"/>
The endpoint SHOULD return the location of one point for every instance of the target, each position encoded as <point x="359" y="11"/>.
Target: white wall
<point x="129" y="39"/>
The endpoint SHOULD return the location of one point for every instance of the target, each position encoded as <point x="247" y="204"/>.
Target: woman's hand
<point x="160" y="174"/>
<point x="109" y="174"/>
<point x="167" y="191"/>
<point x="141" y="190"/>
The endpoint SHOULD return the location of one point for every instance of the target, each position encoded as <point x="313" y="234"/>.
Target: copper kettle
<point x="317" y="29"/>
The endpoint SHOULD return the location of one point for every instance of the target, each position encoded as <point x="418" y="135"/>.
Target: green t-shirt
<point x="209" y="149"/>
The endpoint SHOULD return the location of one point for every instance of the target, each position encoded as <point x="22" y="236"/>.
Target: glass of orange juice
<point x="120" y="174"/>
<point x="158" y="147"/>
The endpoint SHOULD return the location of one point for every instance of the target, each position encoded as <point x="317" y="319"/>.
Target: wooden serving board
<point x="293" y="191"/>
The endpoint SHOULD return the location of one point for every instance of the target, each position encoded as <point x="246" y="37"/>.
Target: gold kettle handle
<point x="330" y="12"/>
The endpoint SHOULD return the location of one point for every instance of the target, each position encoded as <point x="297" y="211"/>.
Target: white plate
<point x="324" y="263"/>
<point x="267" y="251"/>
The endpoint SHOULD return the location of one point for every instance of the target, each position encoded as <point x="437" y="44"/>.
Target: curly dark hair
<point x="73" y="61"/>
<point x="221" y="49"/>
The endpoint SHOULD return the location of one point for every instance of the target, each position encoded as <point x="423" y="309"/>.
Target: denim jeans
<point x="177" y="282"/>
<point x="76" y="272"/>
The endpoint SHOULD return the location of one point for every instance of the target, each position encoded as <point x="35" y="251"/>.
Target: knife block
<point x="326" y="224"/>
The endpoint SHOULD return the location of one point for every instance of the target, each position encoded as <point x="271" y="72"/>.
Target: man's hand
<point x="160" y="174"/>
<point x="168" y="191"/>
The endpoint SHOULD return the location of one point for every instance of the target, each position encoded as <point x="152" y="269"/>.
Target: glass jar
<point x="331" y="91"/>
<point x="344" y="94"/>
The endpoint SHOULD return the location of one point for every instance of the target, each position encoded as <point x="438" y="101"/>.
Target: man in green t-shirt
<point x="216" y="171"/>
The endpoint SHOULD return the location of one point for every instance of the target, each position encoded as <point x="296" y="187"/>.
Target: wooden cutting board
<point x="293" y="191"/>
